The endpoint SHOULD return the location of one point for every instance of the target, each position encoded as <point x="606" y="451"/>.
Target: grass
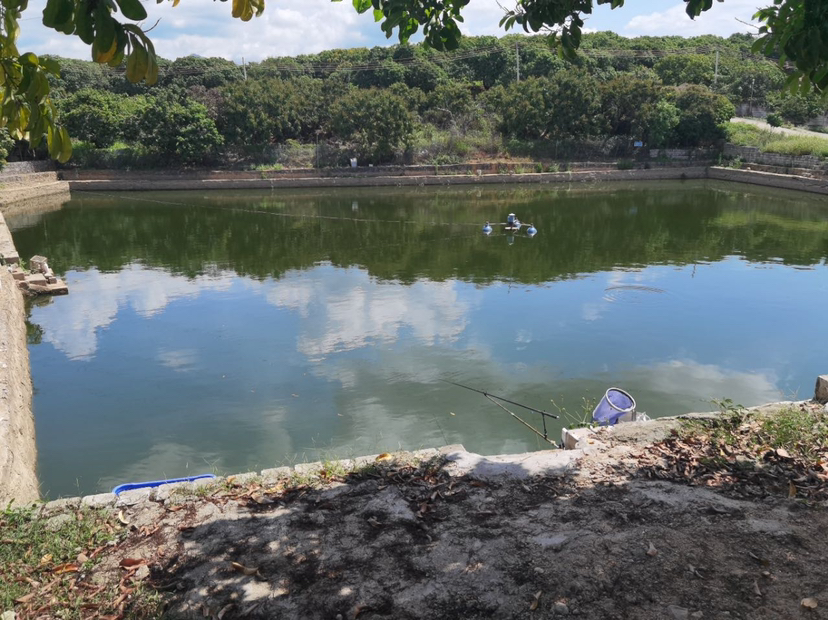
<point x="43" y="565"/>
<point x="745" y="134"/>
<point x="803" y="434"/>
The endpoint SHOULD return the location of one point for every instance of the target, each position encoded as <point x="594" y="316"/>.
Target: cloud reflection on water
<point x="71" y="323"/>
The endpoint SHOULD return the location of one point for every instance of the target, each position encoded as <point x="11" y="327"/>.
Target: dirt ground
<point x="457" y="538"/>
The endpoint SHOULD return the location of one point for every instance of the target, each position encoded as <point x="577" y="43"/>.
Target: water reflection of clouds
<point x="343" y="310"/>
<point x="693" y="379"/>
<point x="72" y="324"/>
<point x="618" y="280"/>
<point x="179" y="361"/>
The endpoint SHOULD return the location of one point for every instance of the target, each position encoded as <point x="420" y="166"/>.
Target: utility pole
<point x="716" y="71"/>
<point x="244" y="69"/>
<point x="517" y="61"/>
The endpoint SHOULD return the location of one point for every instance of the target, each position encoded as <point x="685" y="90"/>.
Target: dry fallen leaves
<point x="535" y="601"/>
<point x="245" y="570"/>
<point x="385" y="456"/>
<point x="66" y="568"/>
<point x="652" y="551"/>
<point x="130" y="562"/>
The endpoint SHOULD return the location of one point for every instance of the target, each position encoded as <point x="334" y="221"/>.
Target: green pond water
<point x="234" y="331"/>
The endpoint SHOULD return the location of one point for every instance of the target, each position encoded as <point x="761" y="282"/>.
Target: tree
<point x="354" y="118"/>
<point x="180" y="131"/>
<point x="703" y="114"/>
<point x="798" y="109"/>
<point x="688" y="69"/>
<point x="628" y="105"/>
<point x="262" y="111"/>
<point x="663" y="121"/>
<point x="101" y="117"/>
<point x="792" y="30"/>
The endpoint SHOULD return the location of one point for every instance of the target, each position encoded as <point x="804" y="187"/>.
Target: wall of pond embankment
<point x="18" y="454"/>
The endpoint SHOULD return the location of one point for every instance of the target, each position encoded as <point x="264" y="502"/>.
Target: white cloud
<point x="292" y="27"/>
<point x="207" y="29"/>
<point x="72" y="324"/>
<point x="720" y="20"/>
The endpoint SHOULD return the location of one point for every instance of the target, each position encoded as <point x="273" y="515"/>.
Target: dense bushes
<point x="409" y="103"/>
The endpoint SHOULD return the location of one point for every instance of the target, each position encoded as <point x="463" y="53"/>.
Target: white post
<point x="244" y="69"/>
<point x="716" y="72"/>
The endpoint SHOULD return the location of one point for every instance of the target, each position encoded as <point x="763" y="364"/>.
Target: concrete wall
<point x="18" y="456"/>
<point x="753" y="154"/>
<point x="26" y="167"/>
<point x="768" y="179"/>
<point x="164" y="183"/>
<point x="682" y="154"/>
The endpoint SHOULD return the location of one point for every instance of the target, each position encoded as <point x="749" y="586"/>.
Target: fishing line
<point x="545" y="414"/>
<point x="261" y="212"/>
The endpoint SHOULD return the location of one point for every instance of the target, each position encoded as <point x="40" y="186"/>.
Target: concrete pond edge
<point x="455" y="460"/>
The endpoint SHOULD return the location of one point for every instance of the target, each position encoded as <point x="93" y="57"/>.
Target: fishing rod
<point x="492" y="397"/>
<point x="505" y="400"/>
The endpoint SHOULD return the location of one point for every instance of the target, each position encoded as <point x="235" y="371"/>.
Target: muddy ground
<point x="454" y="538"/>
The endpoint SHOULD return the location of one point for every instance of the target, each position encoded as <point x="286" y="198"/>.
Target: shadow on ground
<point x="452" y="541"/>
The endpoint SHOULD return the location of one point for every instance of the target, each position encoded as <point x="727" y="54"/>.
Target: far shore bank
<point x="147" y="181"/>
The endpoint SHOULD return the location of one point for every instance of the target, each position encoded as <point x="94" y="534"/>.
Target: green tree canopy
<point x="792" y="31"/>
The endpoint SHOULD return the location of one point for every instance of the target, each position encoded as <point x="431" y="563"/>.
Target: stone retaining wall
<point x="753" y="154"/>
<point x="17" y="433"/>
<point x="25" y="167"/>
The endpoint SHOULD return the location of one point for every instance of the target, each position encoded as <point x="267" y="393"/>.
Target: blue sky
<point x="290" y="27"/>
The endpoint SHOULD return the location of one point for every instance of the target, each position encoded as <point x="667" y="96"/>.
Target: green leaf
<point x="137" y="63"/>
<point x="57" y="12"/>
<point x="53" y="138"/>
<point x="104" y="31"/>
<point x="65" y="146"/>
<point x="133" y="9"/>
<point x="84" y="24"/>
<point x="29" y="59"/>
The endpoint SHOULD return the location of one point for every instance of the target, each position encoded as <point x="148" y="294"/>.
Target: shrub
<point x="774" y="119"/>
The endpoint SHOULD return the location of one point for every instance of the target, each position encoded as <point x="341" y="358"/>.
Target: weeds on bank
<point x="754" y="453"/>
<point x="45" y="566"/>
<point x="580" y="418"/>
<point x="745" y="134"/>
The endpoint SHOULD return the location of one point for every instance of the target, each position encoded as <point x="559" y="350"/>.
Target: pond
<point x="234" y="331"/>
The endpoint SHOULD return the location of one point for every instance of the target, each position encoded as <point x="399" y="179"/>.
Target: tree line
<point x="409" y="103"/>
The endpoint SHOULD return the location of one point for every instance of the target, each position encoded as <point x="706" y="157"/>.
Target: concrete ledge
<point x="23" y="193"/>
<point x="165" y="183"/>
<point x="769" y="179"/>
<point x="7" y="250"/>
<point x="821" y="389"/>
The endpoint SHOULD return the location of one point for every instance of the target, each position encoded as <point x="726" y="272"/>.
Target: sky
<point x="291" y="27"/>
